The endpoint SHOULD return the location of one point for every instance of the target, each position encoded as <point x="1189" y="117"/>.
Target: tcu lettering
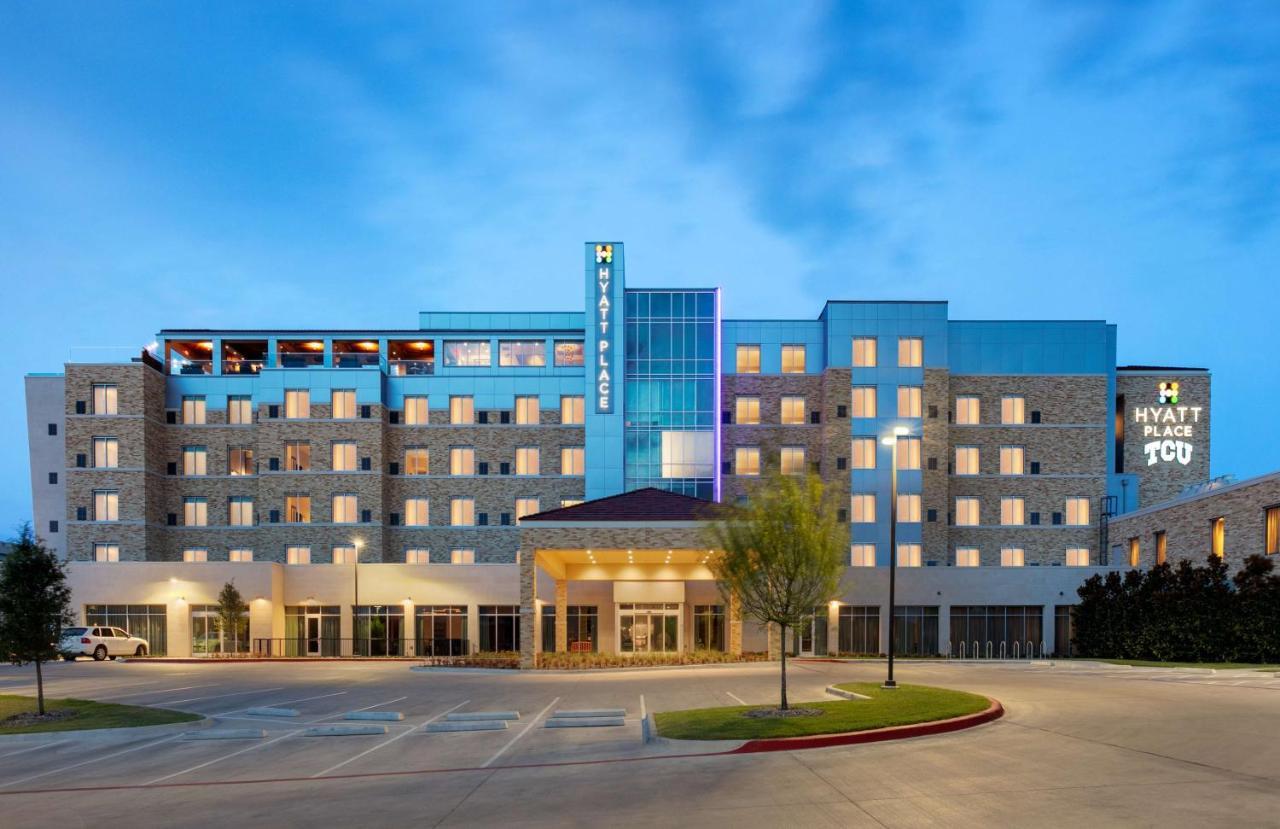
<point x="1168" y="450"/>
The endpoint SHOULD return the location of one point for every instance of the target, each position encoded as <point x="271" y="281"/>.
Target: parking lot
<point x="1188" y="746"/>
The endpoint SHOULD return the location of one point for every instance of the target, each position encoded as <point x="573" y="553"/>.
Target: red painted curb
<point x="896" y="732"/>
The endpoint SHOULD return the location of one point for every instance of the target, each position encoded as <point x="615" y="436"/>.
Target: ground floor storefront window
<point x="997" y="630"/>
<point x="441" y="630"/>
<point x="207" y="637"/>
<point x="378" y="630"/>
<point x="147" y="621"/>
<point x="859" y="629"/>
<point x="582" y="622"/>
<point x="649" y="628"/>
<point x="916" y="630"/>
<point x="708" y="627"/>
<point x="312" y="630"/>
<point x="499" y="627"/>
<point x="1062" y="630"/>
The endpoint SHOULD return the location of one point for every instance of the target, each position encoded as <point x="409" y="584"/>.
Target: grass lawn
<point x="88" y="714"/>
<point x="1151" y="663"/>
<point x="907" y="705"/>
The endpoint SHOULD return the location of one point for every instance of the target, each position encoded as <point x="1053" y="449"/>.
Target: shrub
<point x="1187" y="613"/>
<point x="578" y="661"/>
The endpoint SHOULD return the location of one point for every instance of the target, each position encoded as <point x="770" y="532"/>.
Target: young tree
<point x="35" y="604"/>
<point x="231" y="608"/>
<point x="781" y="553"/>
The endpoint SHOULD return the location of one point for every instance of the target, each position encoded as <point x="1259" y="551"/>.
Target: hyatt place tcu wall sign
<point x="1169" y="428"/>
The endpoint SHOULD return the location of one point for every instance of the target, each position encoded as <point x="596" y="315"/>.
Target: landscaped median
<point x="18" y="715"/>
<point x="908" y="711"/>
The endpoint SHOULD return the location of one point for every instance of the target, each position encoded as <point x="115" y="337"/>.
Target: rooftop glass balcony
<point x="300" y="353"/>
<point x="243" y="357"/>
<point x="411" y="358"/>
<point x="356" y="353"/>
<point x="189" y="357"/>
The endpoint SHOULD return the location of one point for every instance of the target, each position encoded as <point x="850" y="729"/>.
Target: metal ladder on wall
<point x="1104" y="528"/>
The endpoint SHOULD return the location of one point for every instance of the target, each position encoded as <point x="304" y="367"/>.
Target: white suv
<point x="100" y="643"/>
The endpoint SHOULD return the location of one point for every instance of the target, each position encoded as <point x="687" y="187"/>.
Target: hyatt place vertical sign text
<point x="604" y="330"/>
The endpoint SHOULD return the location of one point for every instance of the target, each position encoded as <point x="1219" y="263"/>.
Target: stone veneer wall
<point x="1069" y="444"/>
<point x="1187" y="524"/>
<point x="149" y="494"/>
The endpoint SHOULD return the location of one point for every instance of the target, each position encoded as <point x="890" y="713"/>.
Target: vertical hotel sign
<point x="604" y="365"/>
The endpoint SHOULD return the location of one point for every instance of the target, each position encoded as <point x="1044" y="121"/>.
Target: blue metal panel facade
<point x="667" y="352"/>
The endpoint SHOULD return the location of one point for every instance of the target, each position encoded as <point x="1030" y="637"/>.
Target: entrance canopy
<point x="650" y="544"/>
<point x="649" y="534"/>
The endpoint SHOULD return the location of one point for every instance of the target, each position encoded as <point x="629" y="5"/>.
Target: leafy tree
<point x="231" y="608"/>
<point x="35" y="604"/>
<point x="782" y="552"/>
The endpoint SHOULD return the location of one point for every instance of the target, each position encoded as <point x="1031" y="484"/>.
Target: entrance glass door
<point x="313" y="634"/>
<point x="649" y="628"/>
<point x="810" y="638"/>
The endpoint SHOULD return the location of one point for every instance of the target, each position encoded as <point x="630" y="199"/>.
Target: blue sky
<point x="169" y="165"/>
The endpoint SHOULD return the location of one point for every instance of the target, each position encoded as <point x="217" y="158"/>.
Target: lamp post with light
<point x="892" y="442"/>
<point x="357" y="543"/>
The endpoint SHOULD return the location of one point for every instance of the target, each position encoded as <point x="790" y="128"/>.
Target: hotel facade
<point x="534" y="481"/>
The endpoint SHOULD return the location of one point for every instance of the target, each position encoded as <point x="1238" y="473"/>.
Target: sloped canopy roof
<point x="649" y="504"/>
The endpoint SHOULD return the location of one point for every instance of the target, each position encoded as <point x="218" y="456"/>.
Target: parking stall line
<point x="158" y="691"/>
<point x="740" y="700"/>
<point x="384" y="743"/>
<point x="516" y="738"/>
<point x="275" y="704"/>
<point x="353" y="710"/>
<point x="32" y="748"/>
<point x="220" y="696"/>
<point x="223" y="757"/>
<point x="91" y="760"/>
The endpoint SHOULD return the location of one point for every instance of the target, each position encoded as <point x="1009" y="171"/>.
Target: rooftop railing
<point x="300" y="359"/>
<point x="182" y="365"/>
<point x="411" y="368"/>
<point x="356" y="360"/>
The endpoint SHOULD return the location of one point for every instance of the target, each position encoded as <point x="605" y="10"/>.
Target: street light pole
<point x="355" y="578"/>
<point x="892" y="442"/>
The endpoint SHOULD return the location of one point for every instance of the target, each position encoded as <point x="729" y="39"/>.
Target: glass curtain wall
<point x="671" y="391"/>
<point x="441" y="630"/>
<point x="145" y="620"/>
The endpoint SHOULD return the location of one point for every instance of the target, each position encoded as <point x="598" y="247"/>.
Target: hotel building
<point x="533" y="481"/>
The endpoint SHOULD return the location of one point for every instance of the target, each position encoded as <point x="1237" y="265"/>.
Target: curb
<point x="218" y="660"/>
<point x="895" y="732"/>
<point x="706" y="666"/>
<point x="102" y="735"/>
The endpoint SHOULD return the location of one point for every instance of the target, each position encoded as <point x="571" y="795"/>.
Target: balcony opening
<point x="411" y="357"/>
<point x="355" y="353"/>
<point x="189" y="356"/>
<point x="243" y="356"/>
<point x="300" y="353"/>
